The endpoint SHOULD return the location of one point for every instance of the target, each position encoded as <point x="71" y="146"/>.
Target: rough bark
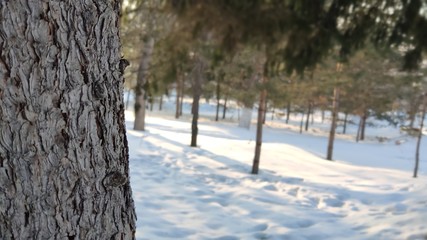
<point x="141" y="81"/>
<point x="333" y="124"/>
<point x="420" y="135"/>
<point x="64" y="168"/>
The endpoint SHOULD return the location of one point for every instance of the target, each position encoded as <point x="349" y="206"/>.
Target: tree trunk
<point x="359" y="128"/>
<point x="195" y="112"/>
<point x="308" y="116"/>
<point x="178" y="94"/>
<point x="218" y="97"/>
<point x="333" y="124"/>
<point x="363" y="126"/>
<point x="420" y="135"/>
<point x="345" y="123"/>
<point x="301" y="124"/>
<point x="161" y="102"/>
<point x="261" y="110"/>
<point x="323" y="115"/>
<point x="224" y="110"/>
<point x="265" y="111"/>
<point x="181" y="102"/>
<point x="151" y="101"/>
<point x="288" y="112"/>
<point x="64" y="167"/>
<point x="197" y="79"/>
<point x="141" y="80"/>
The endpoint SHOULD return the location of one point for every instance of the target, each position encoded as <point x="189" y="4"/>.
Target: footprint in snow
<point x="259" y="228"/>
<point x="270" y="187"/>
<point x="220" y="201"/>
<point x="226" y="238"/>
<point x="397" y="209"/>
<point x="333" y="202"/>
<point x="294" y="191"/>
<point x="301" y="223"/>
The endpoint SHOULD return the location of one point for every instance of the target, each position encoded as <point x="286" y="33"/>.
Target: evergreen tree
<point x="64" y="163"/>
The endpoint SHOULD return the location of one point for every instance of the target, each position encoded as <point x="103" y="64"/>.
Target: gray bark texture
<point x="64" y="168"/>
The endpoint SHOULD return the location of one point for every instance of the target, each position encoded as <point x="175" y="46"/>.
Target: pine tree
<point x="64" y="164"/>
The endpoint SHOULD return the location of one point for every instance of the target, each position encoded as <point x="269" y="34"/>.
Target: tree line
<point x="347" y="65"/>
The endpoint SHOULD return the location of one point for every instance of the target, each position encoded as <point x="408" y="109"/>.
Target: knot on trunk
<point x="114" y="179"/>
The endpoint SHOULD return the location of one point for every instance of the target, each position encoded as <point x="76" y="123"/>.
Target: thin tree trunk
<point x="178" y="94"/>
<point x="301" y="124"/>
<point x="323" y="115"/>
<point x="262" y="100"/>
<point x="224" y="110"/>
<point x="420" y="135"/>
<point x="181" y="103"/>
<point x="308" y="116"/>
<point x="288" y="112"/>
<point x="194" y="122"/>
<point x="64" y="163"/>
<point x="197" y="76"/>
<point x="218" y="97"/>
<point x="333" y="124"/>
<point x="359" y="129"/>
<point x="151" y="100"/>
<point x="272" y="114"/>
<point x="141" y="80"/>
<point x="363" y="126"/>
<point x="161" y="103"/>
<point x="265" y="111"/>
<point x="345" y="123"/>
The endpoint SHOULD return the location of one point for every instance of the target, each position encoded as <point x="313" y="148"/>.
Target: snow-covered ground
<point x="207" y="192"/>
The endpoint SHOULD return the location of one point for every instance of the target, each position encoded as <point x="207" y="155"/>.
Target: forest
<point x="262" y="56"/>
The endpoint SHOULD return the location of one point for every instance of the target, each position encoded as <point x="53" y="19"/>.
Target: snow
<point x="208" y="192"/>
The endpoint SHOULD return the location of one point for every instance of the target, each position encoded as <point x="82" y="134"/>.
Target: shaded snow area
<point x="207" y="192"/>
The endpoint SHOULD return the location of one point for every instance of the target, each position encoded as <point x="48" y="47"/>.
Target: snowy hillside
<point x="207" y="193"/>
